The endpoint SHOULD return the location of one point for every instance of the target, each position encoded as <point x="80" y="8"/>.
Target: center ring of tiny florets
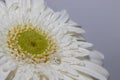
<point x="30" y="44"/>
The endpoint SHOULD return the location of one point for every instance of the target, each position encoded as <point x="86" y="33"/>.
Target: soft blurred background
<point x="101" y="21"/>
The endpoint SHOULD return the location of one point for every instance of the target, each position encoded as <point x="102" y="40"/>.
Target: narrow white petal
<point x="97" y="68"/>
<point x="67" y="78"/>
<point x="97" y="61"/>
<point x="43" y="17"/>
<point x="64" y="17"/>
<point x="61" y="34"/>
<point x="66" y="69"/>
<point x="3" y="60"/>
<point x="10" y="65"/>
<point x="72" y="61"/>
<point x="6" y="74"/>
<point x="85" y="45"/>
<point x="37" y="3"/>
<point x="9" y="3"/>
<point x="3" y="15"/>
<point x="72" y="23"/>
<point x="90" y="72"/>
<point x="96" y="55"/>
<point x="78" y="37"/>
<point x="73" y="29"/>
<point x="24" y="73"/>
<point x="65" y="41"/>
<point x="54" y="17"/>
<point x="3" y="75"/>
<point x="68" y="53"/>
<point x="38" y="6"/>
<point x="24" y="4"/>
<point x="2" y="6"/>
<point x="85" y="77"/>
<point x="35" y="77"/>
<point x="1" y="54"/>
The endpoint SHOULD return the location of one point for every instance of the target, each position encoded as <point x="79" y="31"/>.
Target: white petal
<point x="2" y="7"/>
<point x="65" y="41"/>
<point x="54" y="17"/>
<point x="85" y="45"/>
<point x="38" y="7"/>
<point x="24" y="73"/>
<point x="66" y="69"/>
<point x="85" y="77"/>
<point x="9" y="3"/>
<point x="72" y="61"/>
<point x="72" y="23"/>
<point x="3" y="15"/>
<point x="75" y="53"/>
<point x="97" y="61"/>
<point x="3" y="75"/>
<point x="90" y="72"/>
<point x="60" y="34"/>
<point x="87" y="64"/>
<point x="73" y="29"/>
<point x="97" y="68"/>
<point x="35" y="77"/>
<point x="18" y="11"/>
<point x="3" y="60"/>
<point x="67" y="78"/>
<point x="37" y="3"/>
<point x="78" y="37"/>
<point x="10" y="65"/>
<point x="64" y="17"/>
<point x="24" y="4"/>
<point x="97" y="55"/>
<point x="43" y="17"/>
<point x="68" y="53"/>
<point x="7" y="74"/>
<point x="1" y="53"/>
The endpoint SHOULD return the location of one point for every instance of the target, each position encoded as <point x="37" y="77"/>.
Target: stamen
<point x="31" y="44"/>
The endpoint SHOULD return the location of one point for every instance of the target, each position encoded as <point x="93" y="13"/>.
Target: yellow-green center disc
<point x="33" y="42"/>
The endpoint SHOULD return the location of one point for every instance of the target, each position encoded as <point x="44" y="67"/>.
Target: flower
<point x="37" y="43"/>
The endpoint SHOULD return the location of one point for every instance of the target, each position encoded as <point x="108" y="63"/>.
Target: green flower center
<point x="31" y="44"/>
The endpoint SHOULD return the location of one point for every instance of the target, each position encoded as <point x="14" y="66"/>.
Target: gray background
<point x="101" y="21"/>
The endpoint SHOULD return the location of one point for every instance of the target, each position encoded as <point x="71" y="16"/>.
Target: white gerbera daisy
<point x="37" y="43"/>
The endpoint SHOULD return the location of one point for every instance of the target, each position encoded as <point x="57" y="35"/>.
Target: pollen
<point x="31" y="44"/>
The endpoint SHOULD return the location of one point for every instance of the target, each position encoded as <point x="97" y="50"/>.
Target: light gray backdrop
<point x="101" y="20"/>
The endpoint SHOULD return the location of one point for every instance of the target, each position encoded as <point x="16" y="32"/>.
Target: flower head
<point x="37" y="43"/>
